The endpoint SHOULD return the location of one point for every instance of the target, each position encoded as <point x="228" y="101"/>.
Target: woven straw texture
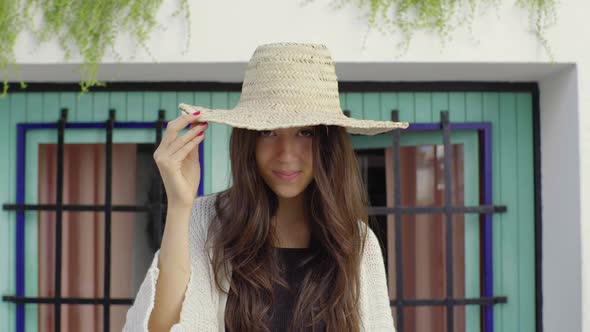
<point x="290" y="85"/>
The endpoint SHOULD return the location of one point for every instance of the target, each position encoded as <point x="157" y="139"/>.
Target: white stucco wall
<point x="562" y="252"/>
<point x="225" y="33"/>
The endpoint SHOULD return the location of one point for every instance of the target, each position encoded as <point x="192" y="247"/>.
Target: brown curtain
<point x="83" y="234"/>
<point x="423" y="236"/>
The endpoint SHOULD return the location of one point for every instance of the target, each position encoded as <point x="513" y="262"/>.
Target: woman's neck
<point x="292" y="226"/>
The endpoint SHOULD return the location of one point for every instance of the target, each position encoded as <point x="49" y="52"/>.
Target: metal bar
<point x="481" y="209"/>
<point x="397" y="201"/>
<point x="484" y="301"/>
<point x="128" y="301"/>
<point x="158" y="209"/>
<point x="454" y="126"/>
<point x="107" y="218"/>
<point x="448" y="150"/>
<point x="374" y="210"/>
<point x="59" y="215"/>
<point x="20" y="225"/>
<point x="76" y="207"/>
<point x="92" y="125"/>
<point x="66" y="300"/>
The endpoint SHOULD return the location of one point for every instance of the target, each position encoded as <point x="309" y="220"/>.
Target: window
<point x="84" y="226"/>
<point x="425" y="225"/>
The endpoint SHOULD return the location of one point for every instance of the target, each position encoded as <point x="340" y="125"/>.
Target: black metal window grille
<point x="448" y="210"/>
<point x="155" y="208"/>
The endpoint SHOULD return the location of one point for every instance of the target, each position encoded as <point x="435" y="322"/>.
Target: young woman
<point x="287" y="246"/>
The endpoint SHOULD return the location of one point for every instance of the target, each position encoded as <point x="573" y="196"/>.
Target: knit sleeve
<point x="380" y="318"/>
<point x="197" y="312"/>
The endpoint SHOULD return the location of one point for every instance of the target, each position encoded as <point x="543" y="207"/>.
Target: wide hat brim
<point x="290" y="85"/>
<point x="278" y="118"/>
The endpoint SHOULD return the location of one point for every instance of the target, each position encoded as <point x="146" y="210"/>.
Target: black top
<point x="284" y="299"/>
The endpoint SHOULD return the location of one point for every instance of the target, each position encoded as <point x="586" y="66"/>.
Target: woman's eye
<point x="307" y="133"/>
<point x="264" y="133"/>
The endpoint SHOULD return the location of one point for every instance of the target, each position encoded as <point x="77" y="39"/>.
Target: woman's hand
<point x="177" y="158"/>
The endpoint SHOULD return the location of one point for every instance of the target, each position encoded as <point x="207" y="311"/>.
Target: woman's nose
<point x="287" y="147"/>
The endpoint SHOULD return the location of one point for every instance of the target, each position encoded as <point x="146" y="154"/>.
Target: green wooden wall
<point x="509" y="113"/>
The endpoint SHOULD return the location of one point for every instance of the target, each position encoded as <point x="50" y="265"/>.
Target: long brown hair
<point x="243" y="236"/>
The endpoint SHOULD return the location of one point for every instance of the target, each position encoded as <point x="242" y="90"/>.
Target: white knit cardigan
<point x="203" y="307"/>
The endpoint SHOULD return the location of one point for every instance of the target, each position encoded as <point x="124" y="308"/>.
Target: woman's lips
<point x="286" y="176"/>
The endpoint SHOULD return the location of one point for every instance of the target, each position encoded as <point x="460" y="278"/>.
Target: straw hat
<point x="290" y="85"/>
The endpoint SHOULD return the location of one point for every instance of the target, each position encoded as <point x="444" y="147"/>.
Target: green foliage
<point x="542" y="14"/>
<point x="441" y="16"/>
<point x="88" y="27"/>
<point x="11" y="24"/>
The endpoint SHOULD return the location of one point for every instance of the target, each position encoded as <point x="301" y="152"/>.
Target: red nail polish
<point x="201" y="133"/>
<point x="197" y="113"/>
<point x="202" y="123"/>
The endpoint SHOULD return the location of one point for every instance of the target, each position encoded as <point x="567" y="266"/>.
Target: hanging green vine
<point x="11" y="24"/>
<point x="89" y="27"/>
<point x="441" y="16"/>
<point x="541" y="14"/>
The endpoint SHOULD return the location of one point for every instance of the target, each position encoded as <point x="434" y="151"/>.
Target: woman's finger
<point x="176" y="125"/>
<point x="188" y="147"/>
<point x="190" y="135"/>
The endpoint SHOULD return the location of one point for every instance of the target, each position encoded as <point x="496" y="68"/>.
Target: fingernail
<point x="197" y="113"/>
<point x="202" y="123"/>
<point x="201" y="133"/>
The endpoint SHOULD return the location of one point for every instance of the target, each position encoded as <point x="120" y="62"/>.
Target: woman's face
<point x="284" y="159"/>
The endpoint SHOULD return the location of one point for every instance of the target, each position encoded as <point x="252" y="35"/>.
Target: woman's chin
<point x="287" y="193"/>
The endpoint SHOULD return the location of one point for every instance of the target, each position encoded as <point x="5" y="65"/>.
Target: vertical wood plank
<point x="423" y="108"/>
<point x="100" y="112"/>
<point x="168" y="102"/>
<point x="69" y="100"/>
<point x="151" y="105"/>
<point x="371" y="106"/>
<point x="51" y="107"/>
<point x="440" y="102"/>
<point x="457" y="106"/>
<point x="406" y="107"/>
<point x="388" y="103"/>
<point x="342" y="97"/>
<point x="509" y="223"/>
<point x="34" y="111"/>
<point x="354" y="103"/>
<point x="219" y="138"/>
<point x="85" y="109"/>
<point x="134" y="106"/>
<point x="473" y="105"/>
<point x="118" y="102"/>
<point x="234" y="98"/>
<point x="34" y="107"/>
<point x="204" y="99"/>
<point x="7" y="218"/>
